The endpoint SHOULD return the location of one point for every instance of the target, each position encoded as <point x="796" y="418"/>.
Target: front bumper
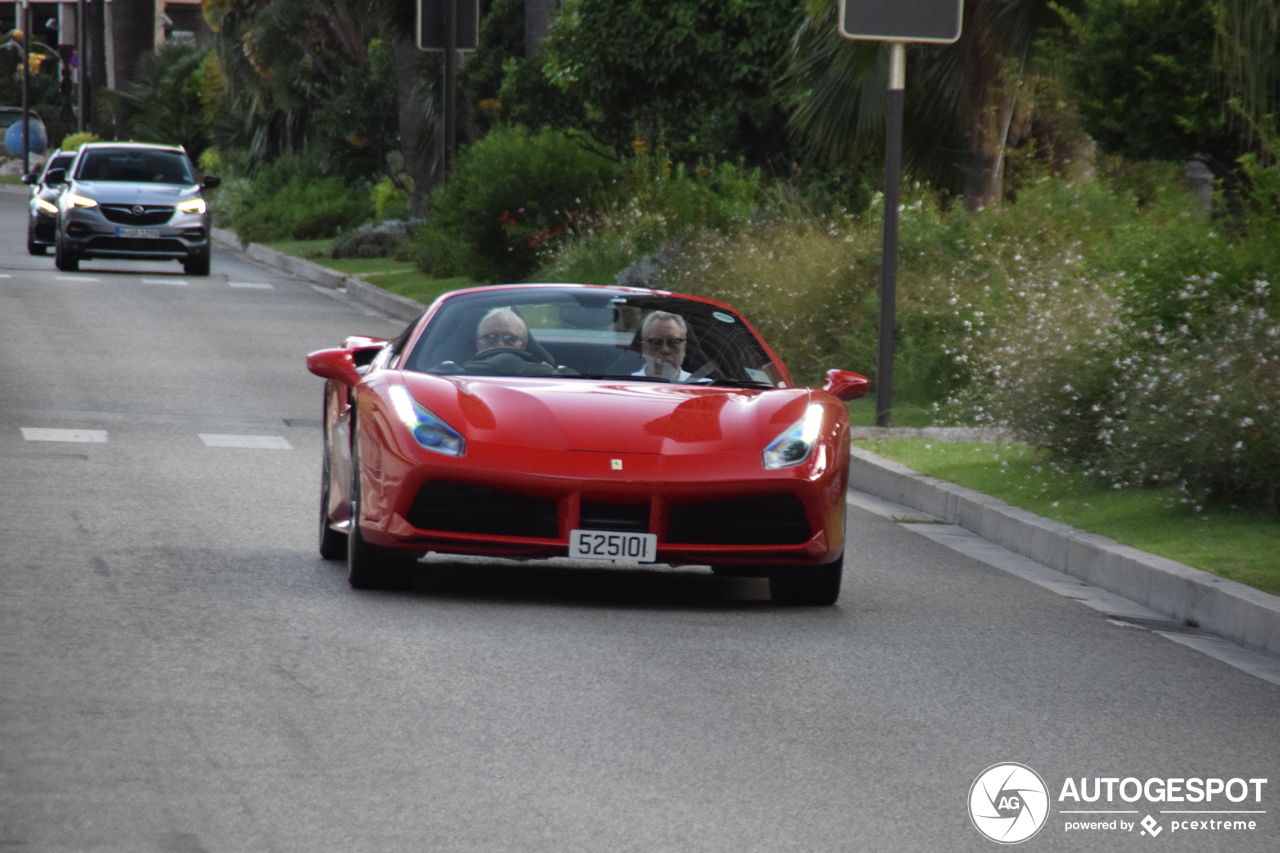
<point x="86" y="233"/>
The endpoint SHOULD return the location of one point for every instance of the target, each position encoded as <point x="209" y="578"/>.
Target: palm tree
<point x="959" y="98"/>
<point x="1248" y="41"/>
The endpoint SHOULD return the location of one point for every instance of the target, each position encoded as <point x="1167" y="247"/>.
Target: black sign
<point x="901" y="20"/>
<point x="432" y="33"/>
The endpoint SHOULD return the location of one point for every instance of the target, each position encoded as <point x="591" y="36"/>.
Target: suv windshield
<point x="135" y="166"/>
<point x="593" y="334"/>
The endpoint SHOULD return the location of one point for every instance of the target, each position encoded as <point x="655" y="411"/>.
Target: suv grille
<point x="123" y="214"/>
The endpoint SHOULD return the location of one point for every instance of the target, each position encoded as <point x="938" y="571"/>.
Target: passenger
<point x="501" y="328"/>
<point x="664" y="337"/>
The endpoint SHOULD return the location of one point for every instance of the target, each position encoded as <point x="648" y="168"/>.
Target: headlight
<point x="795" y="445"/>
<point x="81" y="201"/>
<point x="195" y="205"/>
<point x="46" y="207"/>
<point x="429" y="431"/>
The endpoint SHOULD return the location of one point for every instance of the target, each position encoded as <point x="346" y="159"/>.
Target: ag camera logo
<point x="1008" y="803"/>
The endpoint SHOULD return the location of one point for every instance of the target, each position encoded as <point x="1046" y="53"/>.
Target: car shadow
<point x="563" y="582"/>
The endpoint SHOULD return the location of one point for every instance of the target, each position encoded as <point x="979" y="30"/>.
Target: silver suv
<point x="132" y="200"/>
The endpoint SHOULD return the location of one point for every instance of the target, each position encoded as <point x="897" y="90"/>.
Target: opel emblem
<point x="138" y="210"/>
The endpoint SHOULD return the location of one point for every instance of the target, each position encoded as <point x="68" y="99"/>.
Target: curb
<point x="1224" y="607"/>
<point x="400" y="307"/>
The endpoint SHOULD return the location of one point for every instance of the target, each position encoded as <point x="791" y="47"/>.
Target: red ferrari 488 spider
<point x="598" y="423"/>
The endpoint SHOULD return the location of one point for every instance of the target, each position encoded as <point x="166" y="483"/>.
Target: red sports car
<point x="598" y="423"/>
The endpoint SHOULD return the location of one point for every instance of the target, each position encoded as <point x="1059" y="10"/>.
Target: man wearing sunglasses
<point x="664" y="338"/>
<point x="501" y="328"/>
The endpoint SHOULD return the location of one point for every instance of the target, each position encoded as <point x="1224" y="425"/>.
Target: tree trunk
<point x="418" y="137"/>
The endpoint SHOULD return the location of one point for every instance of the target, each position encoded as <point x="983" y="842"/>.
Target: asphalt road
<point x="181" y="672"/>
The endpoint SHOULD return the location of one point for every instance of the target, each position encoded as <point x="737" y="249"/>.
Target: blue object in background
<point x="36" y="135"/>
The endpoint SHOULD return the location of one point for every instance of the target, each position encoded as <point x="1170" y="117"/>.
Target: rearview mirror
<point x="846" y="384"/>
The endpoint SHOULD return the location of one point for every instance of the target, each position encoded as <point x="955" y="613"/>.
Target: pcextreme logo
<point x="1009" y="803"/>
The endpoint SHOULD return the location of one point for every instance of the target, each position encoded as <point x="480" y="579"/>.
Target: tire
<point x="64" y="260"/>
<point x="333" y="543"/>
<point x="373" y="566"/>
<point x="816" y="587"/>
<point x="34" y="248"/>
<point x="197" y="265"/>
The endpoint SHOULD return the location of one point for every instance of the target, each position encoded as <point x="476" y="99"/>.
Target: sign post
<point x="449" y="26"/>
<point x="900" y="22"/>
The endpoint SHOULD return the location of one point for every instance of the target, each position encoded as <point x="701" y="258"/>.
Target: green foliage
<point x="695" y="74"/>
<point x="1144" y="80"/>
<point x="293" y="199"/>
<point x="511" y="196"/>
<point x="358" y="114"/>
<point x="75" y="140"/>
<point x="162" y="102"/>
<point x="382" y="241"/>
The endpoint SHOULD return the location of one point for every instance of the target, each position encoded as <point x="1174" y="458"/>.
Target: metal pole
<point x="82" y="67"/>
<point x="450" y="83"/>
<point x="26" y="87"/>
<point x="889" y="249"/>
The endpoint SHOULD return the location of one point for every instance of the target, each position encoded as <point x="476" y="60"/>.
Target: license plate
<point x="137" y="232"/>
<point x="614" y="546"/>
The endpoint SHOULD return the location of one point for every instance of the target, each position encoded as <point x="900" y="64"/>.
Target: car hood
<point x="610" y="416"/>
<point x="124" y="192"/>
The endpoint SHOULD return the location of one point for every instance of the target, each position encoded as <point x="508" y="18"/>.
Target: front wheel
<point x="64" y="260"/>
<point x="33" y="247"/>
<point x="816" y="587"/>
<point x="372" y="566"/>
<point x="197" y="265"/>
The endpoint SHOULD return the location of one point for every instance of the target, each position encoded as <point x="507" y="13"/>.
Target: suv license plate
<point x="614" y="546"/>
<point x="138" y="232"/>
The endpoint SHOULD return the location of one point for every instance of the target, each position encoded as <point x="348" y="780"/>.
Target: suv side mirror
<point x="31" y="179"/>
<point x="210" y="181"/>
<point x="55" y="176"/>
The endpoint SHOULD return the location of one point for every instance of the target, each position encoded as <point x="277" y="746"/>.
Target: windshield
<point x="135" y="166"/>
<point x="594" y="333"/>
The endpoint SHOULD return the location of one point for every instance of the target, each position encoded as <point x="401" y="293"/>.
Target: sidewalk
<point x="1190" y="596"/>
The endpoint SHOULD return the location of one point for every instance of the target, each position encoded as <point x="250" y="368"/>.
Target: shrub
<point x="511" y="195"/>
<point x="369" y="241"/>
<point x="292" y="199"/>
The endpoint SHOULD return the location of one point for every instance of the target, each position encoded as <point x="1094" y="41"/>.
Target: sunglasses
<point x="659" y="343"/>
<point x="507" y="340"/>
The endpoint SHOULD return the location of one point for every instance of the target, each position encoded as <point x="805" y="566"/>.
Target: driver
<point x="664" y="338"/>
<point x="501" y="328"/>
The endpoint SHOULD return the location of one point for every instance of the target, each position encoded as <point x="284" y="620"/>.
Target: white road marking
<point x="76" y="278"/>
<point x="254" y="442"/>
<point x="250" y="284"/>
<point x="93" y="436"/>
<point x="5" y="275"/>
<point x="174" y="281"/>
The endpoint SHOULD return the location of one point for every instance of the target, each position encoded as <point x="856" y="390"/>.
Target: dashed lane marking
<point x="92" y="436"/>
<point x="253" y="442"/>
<point x="253" y="285"/>
<point x="76" y="278"/>
<point x="173" y="281"/>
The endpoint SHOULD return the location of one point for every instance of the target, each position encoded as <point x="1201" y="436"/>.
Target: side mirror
<point x="210" y="181"/>
<point x="335" y="364"/>
<point x="846" y="384"/>
<point x="55" y="176"/>
<point x="31" y="179"/>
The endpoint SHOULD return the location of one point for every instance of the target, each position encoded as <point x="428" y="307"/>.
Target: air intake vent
<point x="767" y="520"/>
<point x="460" y="508"/>
<point x="625" y="517"/>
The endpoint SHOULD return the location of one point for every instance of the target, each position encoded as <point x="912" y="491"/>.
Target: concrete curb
<point x="1224" y="607"/>
<point x="397" y="306"/>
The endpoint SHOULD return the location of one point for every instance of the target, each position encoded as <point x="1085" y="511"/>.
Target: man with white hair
<point x="501" y="328"/>
<point x="664" y="338"/>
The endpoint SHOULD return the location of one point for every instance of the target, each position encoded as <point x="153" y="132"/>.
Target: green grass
<point x="400" y="277"/>
<point x="356" y="266"/>
<point x="419" y="286"/>
<point x="1235" y="544"/>
<point x="312" y="250"/>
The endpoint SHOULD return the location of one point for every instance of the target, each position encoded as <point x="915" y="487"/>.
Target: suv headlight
<point x="46" y="207"/>
<point x="428" y="430"/>
<point x="195" y="205"/>
<point x="795" y="444"/>
<point x="80" y="201"/>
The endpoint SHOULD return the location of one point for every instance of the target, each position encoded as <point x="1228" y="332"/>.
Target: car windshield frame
<point x="135" y="165"/>
<point x="587" y="332"/>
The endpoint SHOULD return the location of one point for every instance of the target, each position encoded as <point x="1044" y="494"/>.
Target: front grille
<point x="626" y="517"/>
<point x="767" y="520"/>
<point x="123" y="214"/>
<point x="459" y="508"/>
<point x="137" y="244"/>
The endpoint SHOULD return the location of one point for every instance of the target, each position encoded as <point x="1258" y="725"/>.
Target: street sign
<point x="433" y="32"/>
<point x="901" y="20"/>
